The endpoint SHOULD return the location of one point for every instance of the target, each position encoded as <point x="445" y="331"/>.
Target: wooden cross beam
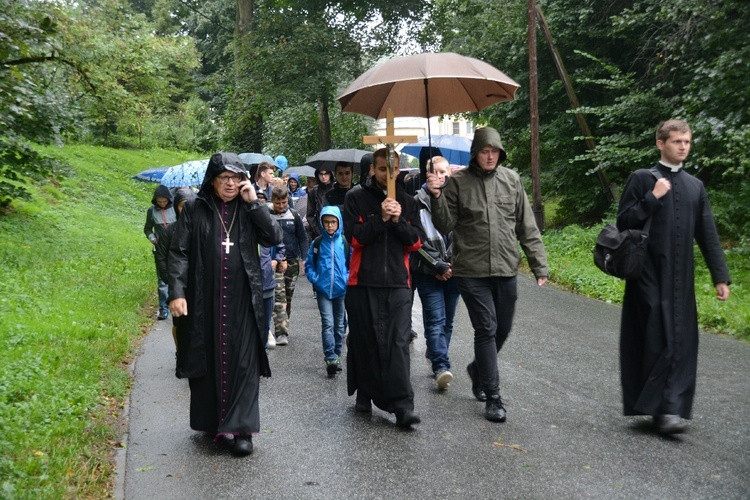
<point x="389" y="140"/>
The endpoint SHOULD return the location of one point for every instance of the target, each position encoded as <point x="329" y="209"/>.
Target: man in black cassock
<point x="659" y="329"/>
<point x="381" y="231"/>
<point x="216" y="300"/>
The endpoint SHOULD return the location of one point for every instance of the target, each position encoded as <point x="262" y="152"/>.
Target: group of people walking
<point x="366" y="252"/>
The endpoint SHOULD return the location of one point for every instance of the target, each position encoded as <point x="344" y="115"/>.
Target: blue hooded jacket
<point x="328" y="273"/>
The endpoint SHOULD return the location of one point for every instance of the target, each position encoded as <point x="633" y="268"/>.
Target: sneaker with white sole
<point x="271" y="341"/>
<point x="443" y="379"/>
<point x="282" y="339"/>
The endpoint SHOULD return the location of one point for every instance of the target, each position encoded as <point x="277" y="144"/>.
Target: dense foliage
<point x="633" y="64"/>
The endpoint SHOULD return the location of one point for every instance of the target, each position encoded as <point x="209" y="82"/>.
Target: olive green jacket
<point x="489" y="214"/>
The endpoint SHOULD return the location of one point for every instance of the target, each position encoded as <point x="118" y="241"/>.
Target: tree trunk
<point x="324" y="126"/>
<point x="248" y="133"/>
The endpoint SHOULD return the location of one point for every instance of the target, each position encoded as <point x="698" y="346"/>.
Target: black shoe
<point x="243" y="446"/>
<point x="162" y="315"/>
<point x="406" y="418"/>
<point x="413" y="336"/>
<point x="475" y="387"/>
<point x="363" y="404"/>
<point x="669" y="424"/>
<point x="494" y="411"/>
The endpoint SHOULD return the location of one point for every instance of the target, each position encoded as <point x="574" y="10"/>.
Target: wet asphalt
<point x="565" y="436"/>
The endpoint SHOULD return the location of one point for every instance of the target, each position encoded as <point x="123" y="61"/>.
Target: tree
<point x="632" y="65"/>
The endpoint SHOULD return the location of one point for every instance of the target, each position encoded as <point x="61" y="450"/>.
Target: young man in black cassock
<point x="381" y="231"/>
<point x="216" y="299"/>
<point x="659" y="330"/>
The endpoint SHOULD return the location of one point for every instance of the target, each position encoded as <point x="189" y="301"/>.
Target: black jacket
<point x="187" y="268"/>
<point x="380" y="255"/>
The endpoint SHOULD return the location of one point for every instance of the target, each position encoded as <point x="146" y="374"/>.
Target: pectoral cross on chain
<point x="227" y="244"/>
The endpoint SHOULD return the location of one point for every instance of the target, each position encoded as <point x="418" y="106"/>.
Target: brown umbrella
<point x="427" y="85"/>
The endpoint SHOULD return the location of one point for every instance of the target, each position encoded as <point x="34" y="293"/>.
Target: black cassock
<point x="219" y="341"/>
<point x="226" y="399"/>
<point x="659" y="329"/>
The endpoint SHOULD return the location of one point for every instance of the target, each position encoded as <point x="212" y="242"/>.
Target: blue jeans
<point x="491" y="303"/>
<point x="439" y="301"/>
<point x="163" y="294"/>
<point x="332" y="318"/>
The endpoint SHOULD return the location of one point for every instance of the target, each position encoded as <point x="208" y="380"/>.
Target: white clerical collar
<point x="673" y="168"/>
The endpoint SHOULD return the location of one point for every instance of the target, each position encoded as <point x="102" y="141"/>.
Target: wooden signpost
<point x="390" y="140"/>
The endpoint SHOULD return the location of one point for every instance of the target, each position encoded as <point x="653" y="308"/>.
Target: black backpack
<point x="622" y="253"/>
<point x="316" y="247"/>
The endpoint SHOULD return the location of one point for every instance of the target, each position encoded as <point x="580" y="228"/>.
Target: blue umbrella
<point x="151" y="175"/>
<point x="454" y="148"/>
<point x="190" y="173"/>
<point x="256" y="158"/>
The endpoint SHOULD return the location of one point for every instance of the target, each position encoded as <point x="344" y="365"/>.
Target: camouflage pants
<point x="282" y="307"/>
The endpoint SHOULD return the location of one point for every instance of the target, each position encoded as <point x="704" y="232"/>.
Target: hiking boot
<point x="494" y="411"/>
<point x="443" y="379"/>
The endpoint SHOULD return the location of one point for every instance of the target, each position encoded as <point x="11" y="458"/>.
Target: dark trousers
<point x="491" y="303"/>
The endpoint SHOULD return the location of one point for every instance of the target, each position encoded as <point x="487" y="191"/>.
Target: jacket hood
<point x="364" y="167"/>
<point x="221" y="162"/>
<point x="487" y="136"/>
<point x="320" y="182"/>
<point x="162" y="192"/>
<point x="331" y="210"/>
<point x="183" y="194"/>
<point x="296" y="178"/>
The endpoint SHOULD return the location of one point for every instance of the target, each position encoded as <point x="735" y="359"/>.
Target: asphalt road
<point x="565" y="436"/>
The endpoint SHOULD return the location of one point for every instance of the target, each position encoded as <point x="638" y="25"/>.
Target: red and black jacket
<point x="380" y="256"/>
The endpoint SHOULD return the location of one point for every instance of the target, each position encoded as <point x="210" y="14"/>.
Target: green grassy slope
<point x="76" y="273"/>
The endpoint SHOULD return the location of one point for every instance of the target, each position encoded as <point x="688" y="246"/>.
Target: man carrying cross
<point x="216" y="300"/>
<point x="381" y="230"/>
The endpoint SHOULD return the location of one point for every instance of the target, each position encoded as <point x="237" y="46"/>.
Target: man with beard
<point x="217" y="302"/>
<point x="381" y="231"/>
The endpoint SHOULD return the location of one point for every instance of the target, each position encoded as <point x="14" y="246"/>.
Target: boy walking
<point x="327" y="268"/>
<point x="295" y="241"/>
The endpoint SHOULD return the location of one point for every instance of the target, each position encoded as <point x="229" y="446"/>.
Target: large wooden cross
<point x="390" y="140"/>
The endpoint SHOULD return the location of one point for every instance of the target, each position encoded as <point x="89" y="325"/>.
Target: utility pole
<point x="536" y="189"/>
<point x="609" y="189"/>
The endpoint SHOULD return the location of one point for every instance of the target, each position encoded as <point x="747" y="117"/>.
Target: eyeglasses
<point x="223" y="179"/>
<point x="330" y="222"/>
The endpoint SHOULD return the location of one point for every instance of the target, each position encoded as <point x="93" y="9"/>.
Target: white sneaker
<point x="282" y="339"/>
<point x="271" y="341"/>
<point x="443" y="379"/>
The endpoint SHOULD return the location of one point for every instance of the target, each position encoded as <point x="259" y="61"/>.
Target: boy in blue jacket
<point x="327" y="268"/>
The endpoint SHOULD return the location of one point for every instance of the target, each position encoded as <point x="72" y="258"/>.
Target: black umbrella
<point x="327" y="160"/>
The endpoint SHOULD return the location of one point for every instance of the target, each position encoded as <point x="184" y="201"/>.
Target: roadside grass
<point x="77" y="289"/>
<point x="569" y="252"/>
